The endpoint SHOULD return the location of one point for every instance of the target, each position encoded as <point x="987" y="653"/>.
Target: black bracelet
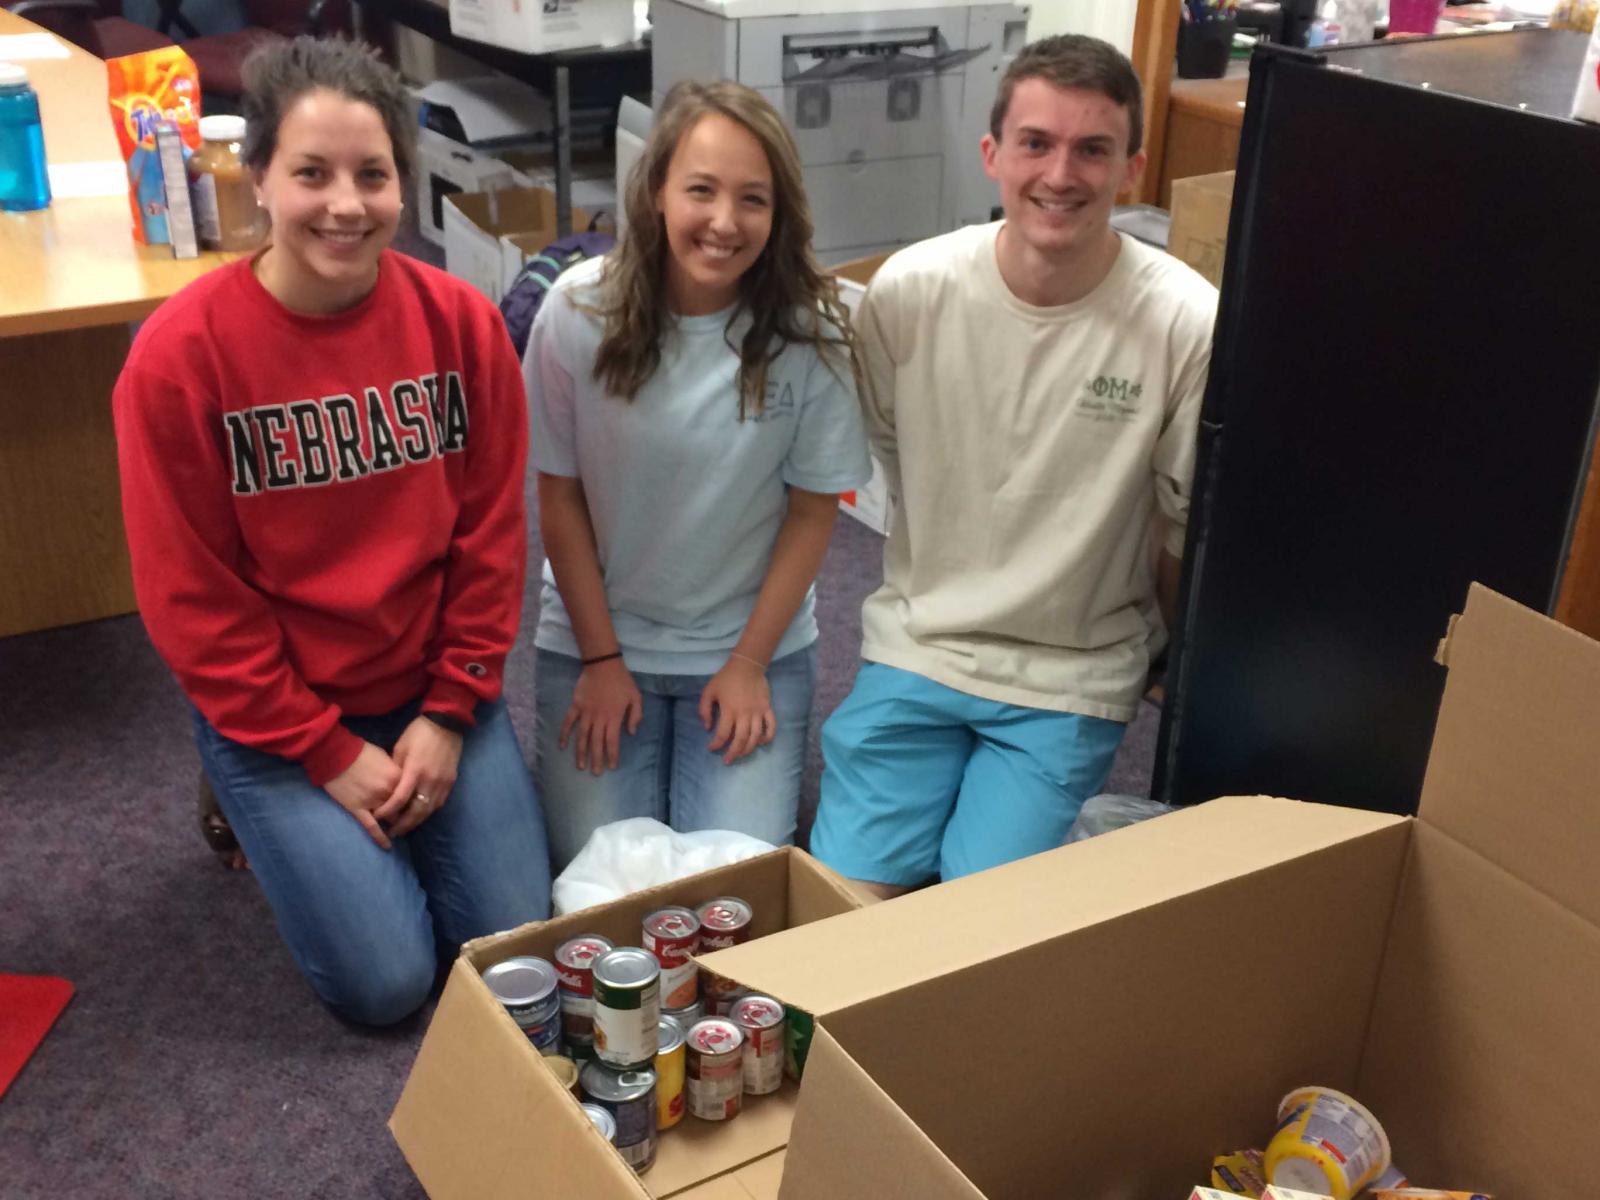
<point x="600" y="658"/>
<point x="454" y="724"/>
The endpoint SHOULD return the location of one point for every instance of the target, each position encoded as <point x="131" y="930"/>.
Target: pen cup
<point x="1203" y="47"/>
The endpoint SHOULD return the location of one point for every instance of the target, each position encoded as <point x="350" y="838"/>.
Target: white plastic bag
<point x="629" y="856"/>
<point x="1102" y="814"/>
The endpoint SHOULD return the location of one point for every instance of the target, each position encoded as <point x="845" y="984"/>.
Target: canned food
<point x="627" y="1007"/>
<point x="630" y="1097"/>
<point x="527" y="988"/>
<point x="760" y="1019"/>
<point x="575" y="970"/>
<point x="798" y="1029"/>
<point x="603" y="1121"/>
<point x="672" y="935"/>
<point x="714" y="1069"/>
<point x="565" y="1070"/>
<point x="724" y="922"/>
<point x="669" y="1074"/>
<point x="721" y="1003"/>
<point x="687" y="1015"/>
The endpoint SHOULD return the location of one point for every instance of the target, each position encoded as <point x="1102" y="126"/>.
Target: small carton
<point x="543" y="26"/>
<point x="1199" y="232"/>
<point x="478" y="224"/>
<point x="1273" y="1192"/>
<point x="481" y="1118"/>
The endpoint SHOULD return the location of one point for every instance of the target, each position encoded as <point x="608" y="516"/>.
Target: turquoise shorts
<point x="921" y="781"/>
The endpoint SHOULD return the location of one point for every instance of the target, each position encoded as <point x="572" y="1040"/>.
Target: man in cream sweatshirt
<point x="1035" y="388"/>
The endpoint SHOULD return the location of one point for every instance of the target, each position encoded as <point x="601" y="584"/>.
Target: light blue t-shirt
<point x="686" y="499"/>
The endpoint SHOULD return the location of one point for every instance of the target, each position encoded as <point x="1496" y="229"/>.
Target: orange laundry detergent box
<point x="158" y="85"/>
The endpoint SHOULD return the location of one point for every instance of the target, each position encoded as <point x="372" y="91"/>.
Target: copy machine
<point x="887" y="100"/>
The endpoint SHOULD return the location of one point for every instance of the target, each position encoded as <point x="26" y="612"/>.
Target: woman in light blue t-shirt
<point x="694" y="419"/>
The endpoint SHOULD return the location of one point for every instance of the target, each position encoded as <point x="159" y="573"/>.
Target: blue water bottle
<point x="24" y="178"/>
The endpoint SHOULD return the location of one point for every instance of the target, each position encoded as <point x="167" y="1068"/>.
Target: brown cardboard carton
<point x="1101" y="1020"/>
<point x="1199" y="231"/>
<point x="476" y="225"/>
<point x="1098" y="1022"/>
<point x="481" y="1117"/>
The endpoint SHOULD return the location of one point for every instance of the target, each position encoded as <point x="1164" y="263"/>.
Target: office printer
<point x="887" y="100"/>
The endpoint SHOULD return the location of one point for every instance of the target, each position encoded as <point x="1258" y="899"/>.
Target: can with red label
<point x="724" y="922"/>
<point x="673" y="935"/>
<point x="575" y="969"/>
<point x="760" y="1019"/>
<point x="714" y="1069"/>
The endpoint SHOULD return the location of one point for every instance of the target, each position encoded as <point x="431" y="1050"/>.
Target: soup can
<point x="760" y="1019"/>
<point x="714" y="1069"/>
<point x="673" y="936"/>
<point x="670" y="1055"/>
<point x="526" y="986"/>
<point x="575" y="969"/>
<point x="627" y="1007"/>
<point x="630" y="1097"/>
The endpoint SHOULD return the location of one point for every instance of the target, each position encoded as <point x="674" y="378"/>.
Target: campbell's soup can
<point x="798" y="1028"/>
<point x="670" y="1057"/>
<point x="714" y="1069"/>
<point x="673" y="935"/>
<point x="627" y="1007"/>
<point x="630" y="1097"/>
<point x="526" y="986"/>
<point x="760" y="1019"/>
<point x="575" y="970"/>
<point x="724" y="922"/>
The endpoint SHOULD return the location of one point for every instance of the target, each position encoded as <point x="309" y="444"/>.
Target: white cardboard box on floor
<point x="871" y="504"/>
<point x="1099" y="1021"/>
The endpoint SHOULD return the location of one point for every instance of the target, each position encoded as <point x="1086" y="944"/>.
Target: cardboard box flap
<point x="860" y="1143"/>
<point x="932" y="933"/>
<point x="1516" y="755"/>
<point x="464" y="1117"/>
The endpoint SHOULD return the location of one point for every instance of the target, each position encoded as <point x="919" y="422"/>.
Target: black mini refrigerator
<point x="1402" y="400"/>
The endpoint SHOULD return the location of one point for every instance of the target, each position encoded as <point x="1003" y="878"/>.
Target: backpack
<point x="521" y="302"/>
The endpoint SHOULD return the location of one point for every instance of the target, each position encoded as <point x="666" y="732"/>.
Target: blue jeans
<point x="368" y="927"/>
<point x="920" y="779"/>
<point x="664" y="770"/>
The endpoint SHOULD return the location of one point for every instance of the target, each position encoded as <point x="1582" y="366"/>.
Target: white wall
<point x="1108" y="19"/>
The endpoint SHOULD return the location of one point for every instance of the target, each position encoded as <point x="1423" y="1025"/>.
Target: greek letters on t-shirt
<point x="345" y="437"/>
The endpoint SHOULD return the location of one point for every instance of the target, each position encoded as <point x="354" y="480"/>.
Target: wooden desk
<point x="73" y="278"/>
<point x="1204" y="118"/>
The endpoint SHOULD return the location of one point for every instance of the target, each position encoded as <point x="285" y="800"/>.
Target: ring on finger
<point x="420" y="800"/>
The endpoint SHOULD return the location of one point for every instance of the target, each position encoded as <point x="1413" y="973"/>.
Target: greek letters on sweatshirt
<point x="325" y="513"/>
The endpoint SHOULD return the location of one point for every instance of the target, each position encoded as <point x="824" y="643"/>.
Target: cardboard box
<point x="543" y="26"/>
<point x="871" y="505"/>
<point x="481" y="229"/>
<point x="1199" y="232"/>
<point x="505" y="125"/>
<point x="1117" y="1012"/>
<point x="481" y="1117"/>
<point x="1098" y="1022"/>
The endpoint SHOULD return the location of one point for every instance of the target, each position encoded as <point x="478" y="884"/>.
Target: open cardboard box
<point x="482" y="1117"/>
<point x="1098" y="1022"/>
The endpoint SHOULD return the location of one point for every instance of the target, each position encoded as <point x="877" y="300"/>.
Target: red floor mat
<point x="29" y="1005"/>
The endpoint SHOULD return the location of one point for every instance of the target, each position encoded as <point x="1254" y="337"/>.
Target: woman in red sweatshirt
<point x="322" y="451"/>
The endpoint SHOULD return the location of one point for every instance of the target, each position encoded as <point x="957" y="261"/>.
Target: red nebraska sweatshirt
<point x="325" y="513"/>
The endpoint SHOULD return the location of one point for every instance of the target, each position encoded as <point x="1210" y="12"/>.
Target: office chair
<point x="98" y="26"/>
<point x="220" y="56"/>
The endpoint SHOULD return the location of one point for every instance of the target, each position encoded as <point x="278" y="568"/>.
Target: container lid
<point x="626" y="967"/>
<point x="224" y="127"/>
<point x="603" y="1121"/>
<point x="521" y="981"/>
<point x="715" y="1035"/>
<point x="611" y="1086"/>
<point x="12" y="74"/>
<point x="669" y="1035"/>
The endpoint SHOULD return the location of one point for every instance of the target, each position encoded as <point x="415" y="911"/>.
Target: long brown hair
<point x="788" y="297"/>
